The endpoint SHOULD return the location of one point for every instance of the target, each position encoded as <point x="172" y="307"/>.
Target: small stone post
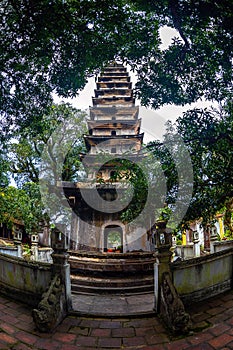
<point x="196" y="244"/>
<point x="213" y="238"/>
<point x="34" y="246"/>
<point x="18" y="242"/>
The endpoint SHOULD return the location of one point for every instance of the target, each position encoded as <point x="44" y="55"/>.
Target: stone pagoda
<point x="114" y="133"/>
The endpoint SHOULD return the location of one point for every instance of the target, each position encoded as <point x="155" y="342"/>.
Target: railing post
<point x="167" y="301"/>
<point x="56" y="301"/>
<point x="213" y="238"/>
<point x="59" y="242"/>
<point x="196" y="244"/>
<point x="34" y="246"/>
<point x="163" y="243"/>
<point x="18" y="242"/>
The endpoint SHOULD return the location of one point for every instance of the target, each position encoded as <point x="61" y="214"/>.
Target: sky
<point x="153" y="121"/>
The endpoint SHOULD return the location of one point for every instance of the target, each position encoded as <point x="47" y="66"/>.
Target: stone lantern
<point x="18" y="236"/>
<point x="196" y="245"/>
<point x="163" y="237"/>
<point x="213" y="238"/>
<point x="59" y="240"/>
<point x="34" y="243"/>
<point x="34" y="238"/>
<point x="17" y="241"/>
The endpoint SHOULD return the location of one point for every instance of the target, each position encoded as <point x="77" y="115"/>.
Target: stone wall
<point x="12" y="251"/>
<point x="222" y="245"/>
<point x="185" y="251"/>
<point x="200" y="278"/>
<point x="44" y="253"/>
<point x="23" y="280"/>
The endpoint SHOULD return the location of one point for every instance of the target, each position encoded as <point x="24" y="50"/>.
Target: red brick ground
<point x="212" y="324"/>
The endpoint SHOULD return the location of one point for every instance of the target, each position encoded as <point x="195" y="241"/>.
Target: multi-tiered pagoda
<point x="114" y="133"/>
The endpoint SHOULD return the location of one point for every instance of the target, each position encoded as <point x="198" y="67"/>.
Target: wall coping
<point x="21" y="261"/>
<point x="227" y="242"/>
<point x="177" y="265"/>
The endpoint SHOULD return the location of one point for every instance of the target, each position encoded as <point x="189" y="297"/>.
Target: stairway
<point x="104" y="273"/>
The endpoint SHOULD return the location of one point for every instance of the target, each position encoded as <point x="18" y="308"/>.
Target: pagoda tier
<point x="114" y="126"/>
<point x="108" y="128"/>
<point x="120" y="143"/>
<point x="114" y="113"/>
<point x="115" y="88"/>
<point x="113" y="100"/>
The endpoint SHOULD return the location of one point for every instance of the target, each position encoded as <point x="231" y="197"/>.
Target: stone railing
<point x="43" y="254"/>
<point x="23" y="280"/>
<point x="185" y="251"/>
<point x="9" y="250"/>
<point x="222" y="245"/>
<point x="200" y="278"/>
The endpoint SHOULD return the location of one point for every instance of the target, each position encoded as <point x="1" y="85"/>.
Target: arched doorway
<point x="113" y="239"/>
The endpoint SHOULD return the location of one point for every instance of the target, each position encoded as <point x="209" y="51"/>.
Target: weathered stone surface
<point x="199" y="278"/>
<point x="52" y="308"/>
<point x="111" y="273"/>
<point x="23" y="280"/>
<point x="172" y="309"/>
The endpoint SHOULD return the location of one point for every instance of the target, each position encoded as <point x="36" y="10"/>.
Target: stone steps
<point x="103" y="273"/>
<point x="114" y="285"/>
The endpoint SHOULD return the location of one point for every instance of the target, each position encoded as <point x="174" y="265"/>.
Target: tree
<point x="53" y="46"/>
<point x="26" y="149"/>
<point x="57" y="136"/>
<point x="23" y="205"/>
<point x="208" y="138"/>
<point x="4" y="170"/>
<point x="198" y="63"/>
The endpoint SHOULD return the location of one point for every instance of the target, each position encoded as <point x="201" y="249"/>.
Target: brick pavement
<point x="212" y="321"/>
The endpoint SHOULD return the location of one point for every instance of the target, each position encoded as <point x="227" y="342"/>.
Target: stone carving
<point x="52" y="308"/>
<point x="172" y="308"/>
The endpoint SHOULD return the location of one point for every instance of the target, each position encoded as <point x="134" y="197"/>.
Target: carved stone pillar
<point x="56" y="301"/>
<point x="59" y="242"/>
<point x="167" y="301"/>
<point x="163" y="243"/>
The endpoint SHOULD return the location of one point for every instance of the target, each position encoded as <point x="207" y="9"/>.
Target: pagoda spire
<point x="114" y="126"/>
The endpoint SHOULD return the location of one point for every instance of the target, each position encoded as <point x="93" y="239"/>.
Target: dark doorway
<point x="113" y="239"/>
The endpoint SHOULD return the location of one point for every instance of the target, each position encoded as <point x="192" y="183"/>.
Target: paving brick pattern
<point x="212" y="330"/>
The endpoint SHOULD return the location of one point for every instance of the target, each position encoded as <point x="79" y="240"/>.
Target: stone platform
<point x="114" y="306"/>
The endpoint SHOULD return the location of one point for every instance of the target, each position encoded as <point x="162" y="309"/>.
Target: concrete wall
<point x="203" y="277"/>
<point x="22" y="280"/>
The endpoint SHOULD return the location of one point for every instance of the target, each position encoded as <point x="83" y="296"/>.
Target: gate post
<point x="213" y="238"/>
<point x="61" y="267"/>
<point x="163" y="243"/>
<point x="56" y="301"/>
<point x="167" y="301"/>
